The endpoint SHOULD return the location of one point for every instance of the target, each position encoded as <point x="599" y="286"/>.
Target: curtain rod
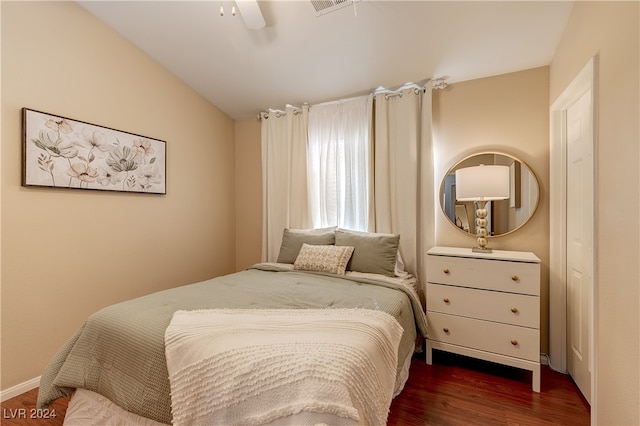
<point x="439" y="83"/>
<point x="278" y="113"/>
<point x="436" y="83"/>
<point x="399" y="93"/>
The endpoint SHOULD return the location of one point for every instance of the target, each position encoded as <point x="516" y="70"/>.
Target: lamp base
<point x="481" y="250"/>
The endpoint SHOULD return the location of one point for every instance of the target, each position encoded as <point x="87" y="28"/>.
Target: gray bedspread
<point x="119" y="351"/>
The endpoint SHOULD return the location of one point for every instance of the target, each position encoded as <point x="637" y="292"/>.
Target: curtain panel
<point x="403" y="176"/>
<point x="284" y="176"/>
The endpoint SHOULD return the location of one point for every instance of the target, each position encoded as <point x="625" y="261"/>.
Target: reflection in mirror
<point x="504" y="216"/>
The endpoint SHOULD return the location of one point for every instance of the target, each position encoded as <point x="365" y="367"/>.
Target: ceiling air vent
<point x="323" y="7"/>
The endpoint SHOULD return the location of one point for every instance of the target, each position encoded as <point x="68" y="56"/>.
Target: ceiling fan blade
<point x="251" y="14"/>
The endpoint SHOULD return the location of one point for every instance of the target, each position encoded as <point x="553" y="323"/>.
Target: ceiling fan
<point x="250" y="12"/>
<point x="253" y="19"/>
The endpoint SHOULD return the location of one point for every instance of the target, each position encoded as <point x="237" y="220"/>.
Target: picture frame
<point x="61" y="152"/>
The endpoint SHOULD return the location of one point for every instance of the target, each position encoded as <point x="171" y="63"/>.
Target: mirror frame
<point x="475" y="154"/>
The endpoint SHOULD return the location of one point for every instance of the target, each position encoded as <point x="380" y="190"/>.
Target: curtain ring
<point x="388" y="96"/>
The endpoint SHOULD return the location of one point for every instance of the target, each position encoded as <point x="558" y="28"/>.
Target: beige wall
<point x="67" y="253"/>
<point x="611" y="31"/>
<point x="507" y="113"/>
<point x="248" y="193"/>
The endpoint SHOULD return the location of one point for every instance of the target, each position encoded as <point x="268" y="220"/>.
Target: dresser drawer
<point x="508" y="308"/>
<point x="507" y="276"/>
<point x="509" y="340"/>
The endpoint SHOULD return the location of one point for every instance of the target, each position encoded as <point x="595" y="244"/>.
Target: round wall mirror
<point x="503" y="216"/>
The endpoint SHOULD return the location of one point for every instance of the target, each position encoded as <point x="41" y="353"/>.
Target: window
<point x="338" y="163"/>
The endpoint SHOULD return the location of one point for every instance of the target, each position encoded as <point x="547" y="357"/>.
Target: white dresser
<point x="485" y="305"/>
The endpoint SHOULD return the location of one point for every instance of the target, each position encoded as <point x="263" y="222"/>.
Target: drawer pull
<point x="515" y="278"/>
<point x="446" y="300"/>
<point x="446" y="330"/>
<point x="445" y="270"/>
<point x="514" y="310"/>
<point x="514" y="342"/>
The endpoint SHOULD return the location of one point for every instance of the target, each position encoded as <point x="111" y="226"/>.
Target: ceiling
<point x="298" y="57"/>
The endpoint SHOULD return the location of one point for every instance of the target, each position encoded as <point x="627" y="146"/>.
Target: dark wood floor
<point x="456" y="390"/>
<point x="21" y="411"/>
<point x="453" y="391"/>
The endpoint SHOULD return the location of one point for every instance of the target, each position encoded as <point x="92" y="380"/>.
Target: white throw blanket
<point x="282" y="366"/>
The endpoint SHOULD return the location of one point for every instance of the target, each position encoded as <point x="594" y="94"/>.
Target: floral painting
<point x="65" y="153"/>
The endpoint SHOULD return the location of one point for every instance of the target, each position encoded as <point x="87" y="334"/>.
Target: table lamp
<point x="481" y="184"/>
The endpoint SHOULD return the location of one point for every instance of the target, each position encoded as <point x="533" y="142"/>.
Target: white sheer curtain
<point x="340" y="163"/>
<point x="404" y="192"/>
<point x="284" y="176"/>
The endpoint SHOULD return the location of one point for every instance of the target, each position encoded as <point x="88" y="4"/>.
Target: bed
<point x="117" y="364"/>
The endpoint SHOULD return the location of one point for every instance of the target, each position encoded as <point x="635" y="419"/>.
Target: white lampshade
<point x="482" y="183"/>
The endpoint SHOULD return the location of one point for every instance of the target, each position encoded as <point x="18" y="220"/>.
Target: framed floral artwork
<point x="64" y="153"/>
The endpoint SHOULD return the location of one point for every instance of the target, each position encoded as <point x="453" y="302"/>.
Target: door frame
<point x="584" y="81"/>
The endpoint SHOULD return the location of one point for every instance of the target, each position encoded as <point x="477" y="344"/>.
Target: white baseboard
<point x="19" y="389"/>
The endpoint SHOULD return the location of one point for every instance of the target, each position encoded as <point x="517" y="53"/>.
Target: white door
<point x="580" y="209"/>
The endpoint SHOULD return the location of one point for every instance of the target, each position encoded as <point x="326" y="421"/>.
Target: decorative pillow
<point x="374" y="253"/>
<point x="331" y="259"/>
<point x="292" y="240"/>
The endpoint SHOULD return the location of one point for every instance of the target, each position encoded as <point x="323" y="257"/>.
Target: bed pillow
<point x="374" y="253"/>
<point x="331" y="259"/>
<point x="292" y="240"/>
